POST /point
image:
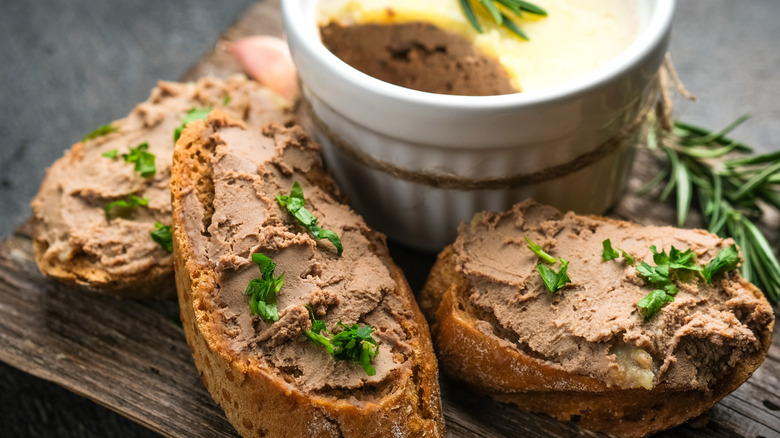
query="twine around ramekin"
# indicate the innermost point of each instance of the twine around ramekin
(454, 182)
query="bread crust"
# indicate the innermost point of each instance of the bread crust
(257, 402)
(494, 367)
(156, 283)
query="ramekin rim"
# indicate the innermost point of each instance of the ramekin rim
(653, 34)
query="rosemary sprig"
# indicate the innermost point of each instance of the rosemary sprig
(498, 10)
(730, 191)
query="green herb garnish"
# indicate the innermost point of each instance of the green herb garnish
(731, 193)
(123, 207)
(110, 154)
(652, 303)
(726, 260)
(191, 116)
(262, 291)
(554, 281)
(660, 278)
(143, 159)
(353, 343)
(609, 253)
(676, 260)
(295, 205)
(539, 251)
(677, 265)
(101, 131)
(498, 10)
(315, 335)
(225, 99)
(162, 235)
(356, 344)
(657, 276)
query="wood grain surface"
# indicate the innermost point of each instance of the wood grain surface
(131, 356)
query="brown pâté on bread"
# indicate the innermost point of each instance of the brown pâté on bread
(74, 239)
(586, 351)
(268, 376)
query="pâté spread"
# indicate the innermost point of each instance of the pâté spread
(592, 326)
(249, 168)
(72, 207)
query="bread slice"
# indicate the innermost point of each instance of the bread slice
(586, 352)
(268, 376)
(74, 240)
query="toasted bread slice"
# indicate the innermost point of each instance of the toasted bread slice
(586, 351)
(268, 376)
(76, 242)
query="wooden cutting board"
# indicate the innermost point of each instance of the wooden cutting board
(131, 356)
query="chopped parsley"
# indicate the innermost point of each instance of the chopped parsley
(295, 205)
(110, 154)
(538, 251)
(610, 254)
(726, 260)
(315, 335)
(554, 281)
(676, 260)
(678, 265)
(123, 207)
(652, 303)
(191, 116)
(262, 291)
(660, 277)
(657, 276)
(353, 343)
(226, 99)
(143, 159)
(162, 235)
(101, 131)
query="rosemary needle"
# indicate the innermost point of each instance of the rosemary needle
(730, 192)
(498, 10)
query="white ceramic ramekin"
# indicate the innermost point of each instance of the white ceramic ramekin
(416, 164)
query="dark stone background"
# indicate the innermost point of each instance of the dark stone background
(68, 66)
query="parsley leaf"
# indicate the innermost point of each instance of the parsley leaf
(143, 159)
(315, 334)
(123, 207)
(162, 235)
(652, 303)
(110, 154)
(192, 115)
(674, 264)
(353, 343)
(554, 280)
(101, 131)
(538, 251)
(294, 204)
(356, 344)
(726, 260)
(226, 99)
(262, 291)
(609, 253)
(676, 259)
(661, 276)
(657, 276)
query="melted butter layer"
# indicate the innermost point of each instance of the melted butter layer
(577, 37)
